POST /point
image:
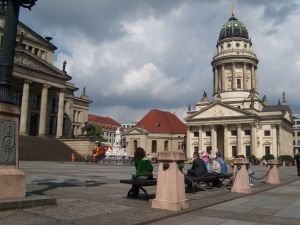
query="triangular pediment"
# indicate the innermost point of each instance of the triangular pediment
(26, 59)
(136, 131)
(31, 35)
(219, 110)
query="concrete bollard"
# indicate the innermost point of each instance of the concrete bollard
(273, 176)
(170, 191)
(241, 176)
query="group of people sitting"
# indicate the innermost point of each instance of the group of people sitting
(202, 166)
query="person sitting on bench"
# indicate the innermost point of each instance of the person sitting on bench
(143, 168)
(198, 168)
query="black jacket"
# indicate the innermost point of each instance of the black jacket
(199, 168)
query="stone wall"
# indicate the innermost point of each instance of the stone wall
(83, 147)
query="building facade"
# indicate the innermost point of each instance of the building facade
(109, 127)
(43, 92)
(296, 134)
(157, 131)
(237, 121)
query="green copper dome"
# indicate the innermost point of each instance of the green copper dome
(233, 28)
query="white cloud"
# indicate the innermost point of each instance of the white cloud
(134, 55)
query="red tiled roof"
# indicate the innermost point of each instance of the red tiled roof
(104, 122)
(157, 121)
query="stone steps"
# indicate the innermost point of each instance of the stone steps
(32, 148)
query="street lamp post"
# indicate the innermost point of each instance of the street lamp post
(12, 180)
(8, 45)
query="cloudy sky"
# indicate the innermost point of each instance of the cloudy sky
(134, 55)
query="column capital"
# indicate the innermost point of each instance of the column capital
(225, 125)
(27, 81)
(46, 86)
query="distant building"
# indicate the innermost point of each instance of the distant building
(237, 121)
(157, 131)
(45, 93)
(126, 126)
(108, 125)
(296, 134)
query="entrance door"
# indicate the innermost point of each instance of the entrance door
(34, 124)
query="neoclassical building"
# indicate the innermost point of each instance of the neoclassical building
(237, 121)
(157, 131)
(44, 92)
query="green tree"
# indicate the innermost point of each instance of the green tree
(94, 131)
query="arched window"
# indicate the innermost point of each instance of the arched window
(166, 146)
(135, 145)
(154, 146)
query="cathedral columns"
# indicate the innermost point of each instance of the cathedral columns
(233, 77)
(252, 77)
(226, 141)
(244, 77)
(200, 139)
(60, 114)
(239, 140)
(24, 108)
(274, 141)
(253, 140)
(43, 111)
(223, 78)
(216, 80)
(213, 140)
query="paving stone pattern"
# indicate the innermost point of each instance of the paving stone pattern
(92, 194)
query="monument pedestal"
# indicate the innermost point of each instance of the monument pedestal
(12, 180)
(170, 192)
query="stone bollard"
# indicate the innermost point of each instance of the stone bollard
(170, 191)
(273, 176)
(241, 176)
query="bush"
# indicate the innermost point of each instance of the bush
(289, 160)
(268, 157)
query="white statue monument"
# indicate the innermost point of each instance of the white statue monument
(117, 150)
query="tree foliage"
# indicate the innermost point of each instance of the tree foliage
(93, 131)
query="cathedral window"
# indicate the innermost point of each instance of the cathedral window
(228, 45)
(238, 83)
(17, 98)
(267, 150)
(196, 134)
(267, 133)
(233, 132)
(233, 150)
(35, 101)
(208, 133)
(247, 132)
(248, 150)
(196, 149)
(298, 134)
(245, 45)
(237, 45)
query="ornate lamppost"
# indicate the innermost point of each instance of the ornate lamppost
(12, 9)
(12, 180)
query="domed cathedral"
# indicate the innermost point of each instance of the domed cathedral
(237, 121)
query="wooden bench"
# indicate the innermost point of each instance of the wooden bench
(140, 184)
(195, 181)
(198, 181)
